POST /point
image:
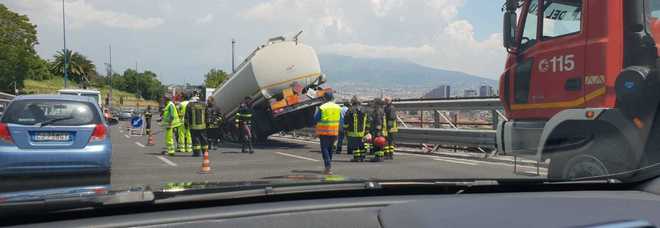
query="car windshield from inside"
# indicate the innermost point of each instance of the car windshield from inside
(31, 112)
(239, 95)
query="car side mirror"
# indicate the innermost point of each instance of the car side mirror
(509, 30)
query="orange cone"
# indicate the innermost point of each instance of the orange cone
(151, 140)
(206, 164)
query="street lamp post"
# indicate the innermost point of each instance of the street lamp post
(233, 43)
(66, 67)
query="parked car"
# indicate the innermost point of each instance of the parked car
(109, 116)
(54, 135)
(125, 115)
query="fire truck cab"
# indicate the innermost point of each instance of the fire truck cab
(580, 86)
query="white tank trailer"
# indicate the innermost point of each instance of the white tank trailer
(283, 78)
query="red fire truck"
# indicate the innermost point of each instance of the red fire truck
(581, 85)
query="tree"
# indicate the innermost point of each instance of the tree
(17, 55)
(144, 85)
(80, 68)
(39, 70)
(214, 78)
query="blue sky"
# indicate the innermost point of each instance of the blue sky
(182, 40)
(485, 15)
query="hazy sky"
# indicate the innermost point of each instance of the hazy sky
(181, 40)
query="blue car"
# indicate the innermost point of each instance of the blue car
(45, 135)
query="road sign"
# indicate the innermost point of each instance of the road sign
(136, 122)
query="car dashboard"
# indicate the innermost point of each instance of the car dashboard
(533, 209)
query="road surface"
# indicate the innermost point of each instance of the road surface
(136, 164)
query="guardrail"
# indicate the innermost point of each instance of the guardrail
(5, 98)
(467, 104)
(453, 136)
(443, 136)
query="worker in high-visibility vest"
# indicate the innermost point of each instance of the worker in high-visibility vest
(185, 141)
(170, 120)
(328, 117)
(378, 128)
(355, 127)
(391, 126)
(196, 123)
(243, 122)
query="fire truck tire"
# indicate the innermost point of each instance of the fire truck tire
(584, 165)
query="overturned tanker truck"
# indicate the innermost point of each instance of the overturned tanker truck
(283, 77)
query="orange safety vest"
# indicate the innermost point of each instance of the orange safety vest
(328, 125)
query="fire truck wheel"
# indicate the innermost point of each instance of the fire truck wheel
(582, 166)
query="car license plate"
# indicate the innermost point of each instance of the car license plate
(52, 136)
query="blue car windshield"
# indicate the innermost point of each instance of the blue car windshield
(29, 112)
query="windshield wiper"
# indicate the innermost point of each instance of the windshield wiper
(54, 120)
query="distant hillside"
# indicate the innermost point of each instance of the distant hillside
(393, 72)
(53, 85)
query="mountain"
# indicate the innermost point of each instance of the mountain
(394, 73)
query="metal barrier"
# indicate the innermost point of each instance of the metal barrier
(441, 136)
(5, 98)
(454, 136)
(449, 104)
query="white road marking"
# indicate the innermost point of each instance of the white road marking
(534, 173)
(455, 161)
(128, 137)
(298, 157)
(166, 161)
(511, 165)
(297, 140)
(139, 144)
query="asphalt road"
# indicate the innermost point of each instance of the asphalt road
(135, 164)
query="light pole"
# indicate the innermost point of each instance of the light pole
(109, 68)
(66, 68)
(233, 43)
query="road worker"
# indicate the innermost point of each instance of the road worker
(170, 120)
(185, 141)
(355, 127)
(328, 117)
(378, 128)
(391, 128)
(196, 123)
(243, 122)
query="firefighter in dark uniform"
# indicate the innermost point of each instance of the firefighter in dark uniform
(378, 128)
(196, 123)
(243, 122)
(355, 128)
(213, 123)
(147, 119)
(392, 129)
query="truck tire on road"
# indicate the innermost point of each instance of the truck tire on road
(606, 153)
(584, 165)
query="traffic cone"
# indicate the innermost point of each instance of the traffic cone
(150, 142)
(206, 164)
